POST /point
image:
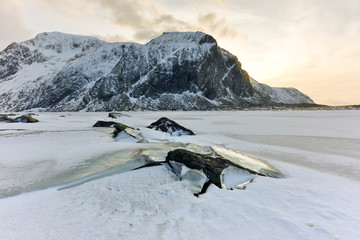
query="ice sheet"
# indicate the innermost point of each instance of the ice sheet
(318, 151)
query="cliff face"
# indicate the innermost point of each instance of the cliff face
(176, 71)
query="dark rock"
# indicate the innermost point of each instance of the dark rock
(22, 119)
(104, 124)
(5, 118)
(169, 126)
(212, 166)
(119, 127)
(25, 119)
(116, 115)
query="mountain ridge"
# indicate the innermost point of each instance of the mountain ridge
(175, 71)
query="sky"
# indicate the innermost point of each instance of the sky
(310, 45)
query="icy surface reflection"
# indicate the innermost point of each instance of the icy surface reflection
(71, 153)
(128, 159)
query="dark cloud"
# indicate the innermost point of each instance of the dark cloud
(148, 22)
(127, 12)
(217, 25)
(169, 21)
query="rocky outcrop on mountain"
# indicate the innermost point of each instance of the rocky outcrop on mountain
(280, 95)
(175, 71)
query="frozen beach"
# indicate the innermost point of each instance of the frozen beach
(317, 150)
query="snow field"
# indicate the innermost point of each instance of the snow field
(312, 202)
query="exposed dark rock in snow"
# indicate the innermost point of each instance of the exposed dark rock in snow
(211, 166)
(175, 71)
(169, 126)
(119, 127)
(22, 119)
(26, 119)
(117, 115)
(5, 118)
(225, 168)
(104, 124)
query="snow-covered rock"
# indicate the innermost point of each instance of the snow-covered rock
(187, 70)
(19, 119)
(169, 126)
(280, 95)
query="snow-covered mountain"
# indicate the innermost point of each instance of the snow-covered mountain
(175, 71)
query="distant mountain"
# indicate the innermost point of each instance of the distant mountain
(175, 71)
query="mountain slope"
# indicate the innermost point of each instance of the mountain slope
(176, 71)
(280, 95)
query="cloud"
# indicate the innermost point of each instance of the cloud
(138, 20)
(144, 35)
(111, 37)
(127, 12)
(208, 2)
(219, 26)
(147, 21)
(209, 23)
(13, 27)
(169, 21)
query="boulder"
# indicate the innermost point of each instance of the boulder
(169, 126)
(25, 119)
(211, 165)
(22, 119)
(5, 118)
(116, 115)
(119, 127)
(104, 124)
